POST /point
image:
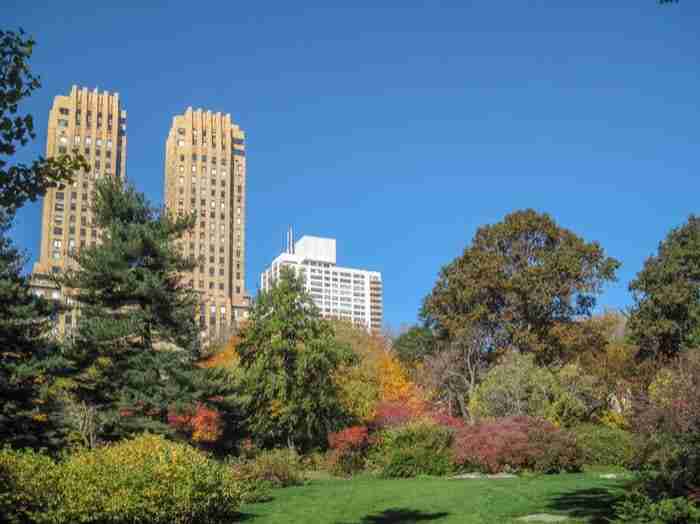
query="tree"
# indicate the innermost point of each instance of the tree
(453, 372)
(26, 356)
(288, 356)
(19, 182)
(136, 341)
(414, 345)
(665, 318)
(518, 281)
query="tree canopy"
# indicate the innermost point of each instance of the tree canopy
(288, 356)
(517, 281)
(136, 338)
(20, 182)
(665, 318)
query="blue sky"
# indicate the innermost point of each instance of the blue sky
(400, 130)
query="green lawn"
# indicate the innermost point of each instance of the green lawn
(582, 497)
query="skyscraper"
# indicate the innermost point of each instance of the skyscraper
(354, 295)
(93, 124)
(205, 173)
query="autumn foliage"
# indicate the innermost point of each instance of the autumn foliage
(227, 356)
(515, 444)
(203, 424)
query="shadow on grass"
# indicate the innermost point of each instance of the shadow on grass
(245, 517)
(594, 504)
(400, 516)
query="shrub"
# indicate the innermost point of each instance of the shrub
(638, 508)
(605, 446)
(515, 444)
(393, 414)
(348, 450)
(275, 468)
(26, 484)
(418, 448)
(145, 479)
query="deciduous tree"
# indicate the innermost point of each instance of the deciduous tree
(517, 281)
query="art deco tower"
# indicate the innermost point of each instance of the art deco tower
(205, 174)
(93, 124)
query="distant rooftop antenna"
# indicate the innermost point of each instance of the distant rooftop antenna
(290, 240)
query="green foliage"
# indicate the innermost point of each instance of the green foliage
(26, 481)
(605, 446)
(418, 448)
(136, 342)
(288, 359)
(147, 479)
(665, 319)
(517, 386)
(27, 357)
(519, 280)
(20, 182)
(276, 468)
(414, 345)
(637, 508)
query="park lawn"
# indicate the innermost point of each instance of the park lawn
(583, 497)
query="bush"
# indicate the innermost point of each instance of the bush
(26, 484)
(348, 450)
(273, 468)
(637, 508)
(605, 446)
(516, 444)
(145, 479)
(418, 448)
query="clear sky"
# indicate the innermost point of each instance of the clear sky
(400, 130)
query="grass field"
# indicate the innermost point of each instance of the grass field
(583, 497)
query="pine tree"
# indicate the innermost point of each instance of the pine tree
(27, 356)
(136, 341)
(288, 358)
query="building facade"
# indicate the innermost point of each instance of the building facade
(348, 294)
(205, 174)
(92, 123)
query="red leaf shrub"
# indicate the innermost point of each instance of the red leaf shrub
(354, 437)
(391, 414)
(202, 423)
(515, 444)
(348, 450)
(445, 420)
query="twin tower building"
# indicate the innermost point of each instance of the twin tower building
(205, 173)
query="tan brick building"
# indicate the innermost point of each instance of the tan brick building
(205, 173)
(94, 124)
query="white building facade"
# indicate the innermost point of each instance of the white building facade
(348, 294)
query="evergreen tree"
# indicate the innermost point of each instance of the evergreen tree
(136, 341)
(288, 358)
(665, 318)
(27, 357)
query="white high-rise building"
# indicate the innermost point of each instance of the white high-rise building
(339, 292)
